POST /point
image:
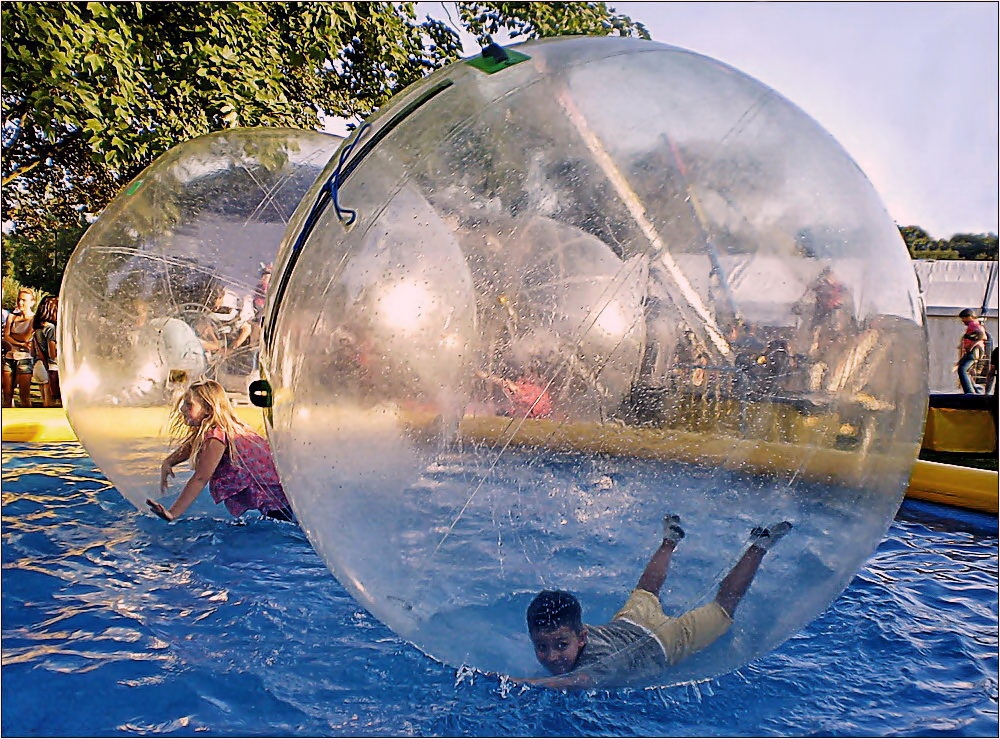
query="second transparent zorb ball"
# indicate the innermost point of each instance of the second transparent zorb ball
(168, 287)
(542, 301)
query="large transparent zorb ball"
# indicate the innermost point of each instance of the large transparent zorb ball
(545, 301)
(168, 287)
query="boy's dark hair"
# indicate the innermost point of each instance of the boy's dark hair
(967, 313)
(552, 609)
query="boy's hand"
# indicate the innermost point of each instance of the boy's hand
(159, 510)
(570, 681)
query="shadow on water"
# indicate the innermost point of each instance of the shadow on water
(116, 624)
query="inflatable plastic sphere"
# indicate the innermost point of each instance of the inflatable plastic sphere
(550, 299)
(168, 287)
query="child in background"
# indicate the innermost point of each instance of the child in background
(527, 396)
(230, 457)
(971, 347)
(45, 347)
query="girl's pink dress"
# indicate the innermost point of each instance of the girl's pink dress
(254, 484)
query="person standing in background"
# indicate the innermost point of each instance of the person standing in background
(971, 347)
(45, 349)
(17, 361)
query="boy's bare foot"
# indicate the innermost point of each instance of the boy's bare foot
(767, 538)
(672, 530)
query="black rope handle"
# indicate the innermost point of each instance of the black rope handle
(337, 178)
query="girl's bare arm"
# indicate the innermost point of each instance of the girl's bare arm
(178, 455)
(208, 459)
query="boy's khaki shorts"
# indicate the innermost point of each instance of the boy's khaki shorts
(682, 636)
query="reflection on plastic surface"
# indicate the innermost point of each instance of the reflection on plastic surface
(168, 286)
(620, 279)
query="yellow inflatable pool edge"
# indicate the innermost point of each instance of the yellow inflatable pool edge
(39, 425)
(51, 425)
(964, 487)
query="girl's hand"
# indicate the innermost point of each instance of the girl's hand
(159, 510)
(166, 470)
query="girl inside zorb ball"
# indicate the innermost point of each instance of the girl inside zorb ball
(565, 308)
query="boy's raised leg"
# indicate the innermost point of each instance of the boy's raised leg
(735, 585)
(653, 576)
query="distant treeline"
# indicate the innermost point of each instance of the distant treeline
(960, 246)
(41, 265)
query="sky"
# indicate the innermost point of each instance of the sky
(909, 89)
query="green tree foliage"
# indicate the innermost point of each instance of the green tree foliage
(974, 246)
(40, 262)
(542, 19)
(93, 92)
(960, 246)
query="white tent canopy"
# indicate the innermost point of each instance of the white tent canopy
(947, 287)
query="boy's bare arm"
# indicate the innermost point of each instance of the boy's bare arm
(569, 681)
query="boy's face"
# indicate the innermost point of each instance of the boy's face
(557, 650)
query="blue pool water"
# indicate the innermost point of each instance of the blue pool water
(114, 624)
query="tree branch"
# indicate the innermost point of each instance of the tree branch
(22, 170)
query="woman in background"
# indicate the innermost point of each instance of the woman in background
(17, 361)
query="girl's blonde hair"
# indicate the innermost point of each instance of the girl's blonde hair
(219, 412)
